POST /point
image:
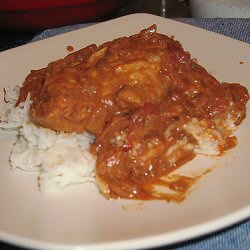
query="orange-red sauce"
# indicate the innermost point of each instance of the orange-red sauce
(70, 48)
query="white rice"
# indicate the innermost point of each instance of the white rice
(60, 159)
(210, 139)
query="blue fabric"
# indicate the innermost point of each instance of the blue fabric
(57, 31)
(236, 237)
(237, 28)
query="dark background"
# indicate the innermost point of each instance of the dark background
(166, 8)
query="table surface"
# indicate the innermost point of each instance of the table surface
(237, 236)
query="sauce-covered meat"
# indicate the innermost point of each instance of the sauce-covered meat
(151, 107)
(137, 151)
(87, 88)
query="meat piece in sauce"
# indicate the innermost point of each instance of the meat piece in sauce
(135, 150)
(87, 88)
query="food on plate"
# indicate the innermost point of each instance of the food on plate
(145, 106)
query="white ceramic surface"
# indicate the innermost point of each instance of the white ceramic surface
(220, 8)
(79, 217)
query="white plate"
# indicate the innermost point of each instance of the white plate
(79, 217)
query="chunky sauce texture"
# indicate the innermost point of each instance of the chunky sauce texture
(140, 97)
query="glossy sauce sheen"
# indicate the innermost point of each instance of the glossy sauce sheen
(136, 95)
